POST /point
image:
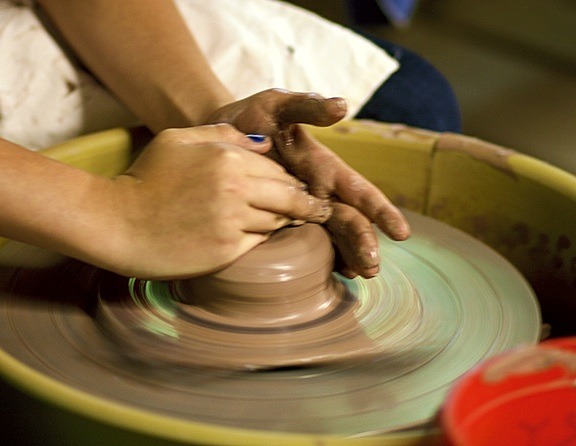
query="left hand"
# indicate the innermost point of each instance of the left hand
(357, 202)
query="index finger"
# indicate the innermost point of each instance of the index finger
(355, 190)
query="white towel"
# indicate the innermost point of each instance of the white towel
(252, 45)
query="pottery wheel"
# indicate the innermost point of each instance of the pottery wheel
(277, 306)
(442, 303)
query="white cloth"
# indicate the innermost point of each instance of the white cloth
(252, 45)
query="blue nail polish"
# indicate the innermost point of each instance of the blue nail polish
(257, 138)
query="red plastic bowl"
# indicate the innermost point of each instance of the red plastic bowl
(524, 397)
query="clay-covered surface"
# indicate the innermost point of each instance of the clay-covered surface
(442, 303)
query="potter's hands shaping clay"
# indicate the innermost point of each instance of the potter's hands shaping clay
(357, 203)
(193, 201)
(158, 71)
(198, 198)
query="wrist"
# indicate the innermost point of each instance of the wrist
(195, 109)
(88, 226)
(102, 232)
(184, 104)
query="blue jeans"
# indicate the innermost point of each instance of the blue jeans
(417, 94)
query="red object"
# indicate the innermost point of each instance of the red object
(525, 397)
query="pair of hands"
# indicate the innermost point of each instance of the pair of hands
(203, 196)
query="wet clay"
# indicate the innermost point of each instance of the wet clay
(269, 309)
(285, 282)
(441, 303)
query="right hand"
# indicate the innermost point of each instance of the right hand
(195, 200)
(357, 203)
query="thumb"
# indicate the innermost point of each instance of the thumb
(313, 109)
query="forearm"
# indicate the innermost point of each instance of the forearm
(51, 205)
(144, 53)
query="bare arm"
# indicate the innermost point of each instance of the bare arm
(143, 52)
(49, 204)
(194, 201)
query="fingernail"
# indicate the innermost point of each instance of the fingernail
(301, 186)
(322, 214)
(327, 210)
(401, 232)
(340, 103)
(256, 138)
(369, 257)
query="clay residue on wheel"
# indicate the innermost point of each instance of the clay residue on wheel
(280, 305)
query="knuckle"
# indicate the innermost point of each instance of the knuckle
(312, 97)
(225, 158)
(171, 136)
(275, 91)
(214, 133)
(228, 189)
(225, 129)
